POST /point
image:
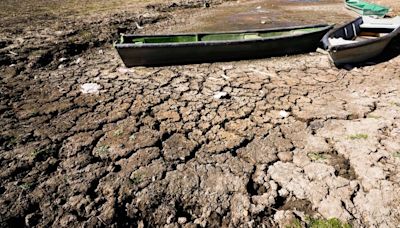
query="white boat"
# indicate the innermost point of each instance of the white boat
(383, 23)
(357, 41)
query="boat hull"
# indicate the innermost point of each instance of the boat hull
(368, 9)
(206, 52)
(358, 54)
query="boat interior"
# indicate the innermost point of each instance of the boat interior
(216, 36)
(354, 32)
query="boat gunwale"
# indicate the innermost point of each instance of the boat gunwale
(329, 47)
(349, 6)
(324, 28)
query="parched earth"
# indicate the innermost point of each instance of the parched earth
(87, 142)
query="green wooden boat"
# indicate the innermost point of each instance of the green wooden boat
(156, 50)
(366, 9)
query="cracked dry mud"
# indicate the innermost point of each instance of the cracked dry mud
(155, 146)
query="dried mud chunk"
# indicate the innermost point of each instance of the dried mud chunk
(285, 156)
(54, 107)
(222, 141)
(168, 115)
(145, 138)
(240, 205)
(78, 142)
(178, 147)
(141, 158)
(145, 175)
(332, 207)
(259, 151)
(116, 143)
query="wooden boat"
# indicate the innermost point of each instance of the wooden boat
(365, 8)
(156, 50)
(355, 43)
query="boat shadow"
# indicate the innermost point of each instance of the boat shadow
(391, 51)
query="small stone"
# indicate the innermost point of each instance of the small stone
(182, 220)
(123, 70)
(220, 95)
(285, 156)
(62, 60)
(90, 88)
(169, 219)
(263, 22)
(283, 114)
(283, 192)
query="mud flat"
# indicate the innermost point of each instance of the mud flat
(87, 142)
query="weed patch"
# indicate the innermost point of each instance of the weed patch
(316, 156)
(104, 149)
(358, 136)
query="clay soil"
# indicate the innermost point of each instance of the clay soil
(291, 137)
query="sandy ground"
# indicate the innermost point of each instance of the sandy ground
(263, 143)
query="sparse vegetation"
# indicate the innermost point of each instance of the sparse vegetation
(395, 103)
(34, 113)
(104, 149)
(358, 136)
(316, 156)
(25, 186)
(327, 223)
(11, 142)
(42, 152)
(396, 154)
(319, 223)
(136, 179)
(132, 137)
(371, 116)
(294, 224)
(118, 133)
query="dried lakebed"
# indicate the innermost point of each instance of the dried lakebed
(87, 142)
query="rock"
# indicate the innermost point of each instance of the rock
(285, 156)
(283, 192)
(123, 70)
(332, 208)
(220, 95)
(182, 220)
(284, 114)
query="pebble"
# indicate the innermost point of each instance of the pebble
(285, 156)
(219, 95)
(182, 220)
(284, 114)
(283, 192)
